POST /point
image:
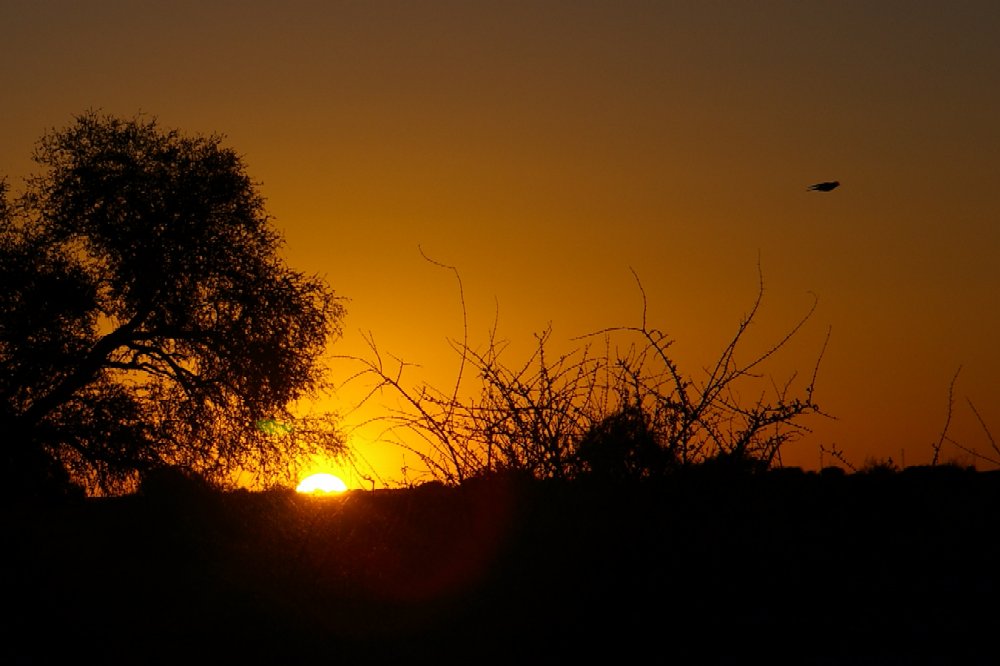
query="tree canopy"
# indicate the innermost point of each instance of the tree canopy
(148, 319)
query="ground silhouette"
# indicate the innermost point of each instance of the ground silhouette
(822, 567)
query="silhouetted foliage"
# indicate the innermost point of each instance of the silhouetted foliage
(174, 482)
(147, 318)
(627, 414)
(624, 446)
(883, 466)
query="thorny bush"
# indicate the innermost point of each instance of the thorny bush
(617, 407)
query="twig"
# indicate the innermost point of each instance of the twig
(982, 423)
(947, 421)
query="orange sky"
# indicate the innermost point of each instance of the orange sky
(544, 148)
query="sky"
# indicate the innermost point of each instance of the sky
(548, 150)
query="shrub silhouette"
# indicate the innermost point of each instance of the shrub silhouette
(170, 482)
(630, 414)
(624, 446)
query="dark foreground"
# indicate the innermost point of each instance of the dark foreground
(891, 568)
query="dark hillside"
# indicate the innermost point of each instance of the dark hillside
(818, 566)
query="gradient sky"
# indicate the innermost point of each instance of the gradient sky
(545, 148)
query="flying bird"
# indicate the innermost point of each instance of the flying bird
(824, 187)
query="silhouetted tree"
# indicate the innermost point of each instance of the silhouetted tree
(147, 318)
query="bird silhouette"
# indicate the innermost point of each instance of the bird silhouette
(824, 187)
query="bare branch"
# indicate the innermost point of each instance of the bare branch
(947, 421)
(989, 435)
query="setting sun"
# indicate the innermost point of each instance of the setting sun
(321, 484)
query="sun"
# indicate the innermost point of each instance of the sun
(321, 484)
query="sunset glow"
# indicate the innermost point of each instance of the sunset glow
(548, 150)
